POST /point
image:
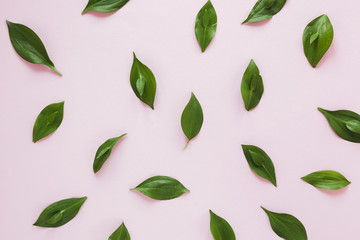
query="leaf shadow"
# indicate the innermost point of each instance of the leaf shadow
(99, 14)
(258, 24)
(40, 68)
(334, 192)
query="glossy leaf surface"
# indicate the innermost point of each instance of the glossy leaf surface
(264, 9)
(220, 228)
(104, 6)
(121, 233)
(329, 180)
(205, 25)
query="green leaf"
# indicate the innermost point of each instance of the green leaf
(330, 180)
(345, 123)
(143, 82)
(48, 121)
(252, 86)
(205, 25)
(286, 226)
(192, 118)
(317, 38)
(60, 213)
(104, 151)
(120, 234)
(264, 9)
(28, 45)
(161, 188)
(104, 6)
(220, 228)
(260, 162)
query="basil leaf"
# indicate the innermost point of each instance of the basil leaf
(104, 151)
(161, 188)
(286, 226)
(260, 162)
(264, 9)
(104, 6)
(345, 123)
(220, 228)
(48, 121)
(120, 234)
(192, 118)
(143, 82)
(317, 38)
(60, 213)
(330, 180)
(28, 45)
(205, 25)
(252, 86)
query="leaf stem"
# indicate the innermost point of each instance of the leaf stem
(55, 70)
(186, 144)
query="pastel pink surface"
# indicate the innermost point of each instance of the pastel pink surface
(94, 53)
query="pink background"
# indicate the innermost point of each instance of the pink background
(94, 52)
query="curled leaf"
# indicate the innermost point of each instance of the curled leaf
(286, 226)
(48, 121)
(220, 228)
(104, 6)
(329, 180)
(60, 213)
(264, 9)
(161, 188)
(205, 25)
(104, 151)
(28, 45)
(120, 234)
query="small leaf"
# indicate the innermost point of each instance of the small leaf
(286, 226)
(161, 188)
(28, 45)
(120, 234)
(143, 82)
(345, 123)
(220, 228)
(205, 25)
(260, 162)
(104, 6)
(329, 180)
(321, 30)
(252, 86)
(264, 9)
(192, 118)
(48, 121)
(60, 213)
(104, 152)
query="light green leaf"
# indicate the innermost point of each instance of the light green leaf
(104, 6)
(205, 25)
(329, 180)
(264, 9)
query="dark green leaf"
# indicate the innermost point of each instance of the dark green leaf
(103, 152)
(286, 226)
(220, 228)
(330, 180)
(345, 124)
(260, 162)
(28, 45)
(192, 118)
(48, 121)
(264, 9)
(120, 234)
(161, 188)
(104, 6)
(60, 213)
(317, 38)
(252, 86)
(143, 82)
(205, 25)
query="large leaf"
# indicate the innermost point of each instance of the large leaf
(104, 151)
(205, 25)
(120, 234)
(60, 213)
(330, 180)
(345, 123)
(286, 226)
(161, 188)
(252, 86)
(48, 121)
(317, 38)
(220, 228)
(104, 6)
(260, 162)
(264, 9)
(192, 118)
(143, 82)
(28, 45)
